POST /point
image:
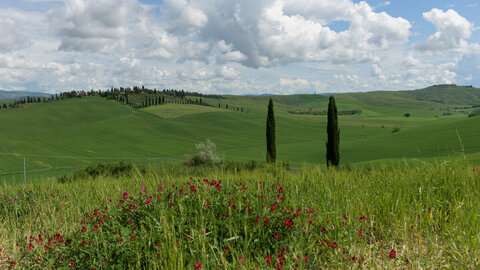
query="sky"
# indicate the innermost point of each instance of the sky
(238, 47)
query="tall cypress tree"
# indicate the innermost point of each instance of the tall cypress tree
(271, 148)
(333, 142)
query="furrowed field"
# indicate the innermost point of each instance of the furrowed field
(409, 218)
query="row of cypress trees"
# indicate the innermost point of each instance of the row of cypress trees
(333, 134)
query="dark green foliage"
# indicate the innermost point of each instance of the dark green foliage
(116, 170)
(271, 147)
(333, 142)
(474, 113)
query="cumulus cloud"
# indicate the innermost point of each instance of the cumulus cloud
(10, 39)
(95, 26)
(215, 46)
(451, 35)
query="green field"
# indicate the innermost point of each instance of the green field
(59, 137)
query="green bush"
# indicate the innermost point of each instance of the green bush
(121, 169)
(205, 154)
(474, 113)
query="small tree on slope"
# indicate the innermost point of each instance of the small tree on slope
(333, 142)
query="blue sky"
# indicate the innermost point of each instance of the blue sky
(238, 47)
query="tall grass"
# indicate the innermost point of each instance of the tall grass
(427, 215)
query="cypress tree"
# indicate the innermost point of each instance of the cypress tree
(333, 142)
(271, 148)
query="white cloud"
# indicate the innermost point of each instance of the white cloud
(451, 35)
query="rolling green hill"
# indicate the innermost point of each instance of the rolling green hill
(62, 136)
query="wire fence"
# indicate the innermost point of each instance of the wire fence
(59, 159)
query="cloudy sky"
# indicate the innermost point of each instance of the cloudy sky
(238, 47)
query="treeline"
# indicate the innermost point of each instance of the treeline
(325, 112)
(474, 113)
(137, 97)
(141, 97)
(19, 103)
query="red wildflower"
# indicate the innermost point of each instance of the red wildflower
(12, 263)
(198, 265)
(393, 254)
(273, 207)
(276, 235)
(71, 264)
(267, 220)
(334, 245)
(360, 233)
(345, 215)
(258, 219)
(84, 243)
(406, 261)
(362, 219)
(226, 250)
(207, 203)
(84, 229)
(268, 259)
(305, 258)
(133, 238)
(288, 223)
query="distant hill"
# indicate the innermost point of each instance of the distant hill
(449, 94)
(6, 95)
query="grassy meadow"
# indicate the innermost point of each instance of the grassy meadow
(423, 217)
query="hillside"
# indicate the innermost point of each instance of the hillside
(62, 136)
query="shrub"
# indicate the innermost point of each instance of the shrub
(407, 114)
(474, 113)
(121, 169)
(205, 154)
(395, 130)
